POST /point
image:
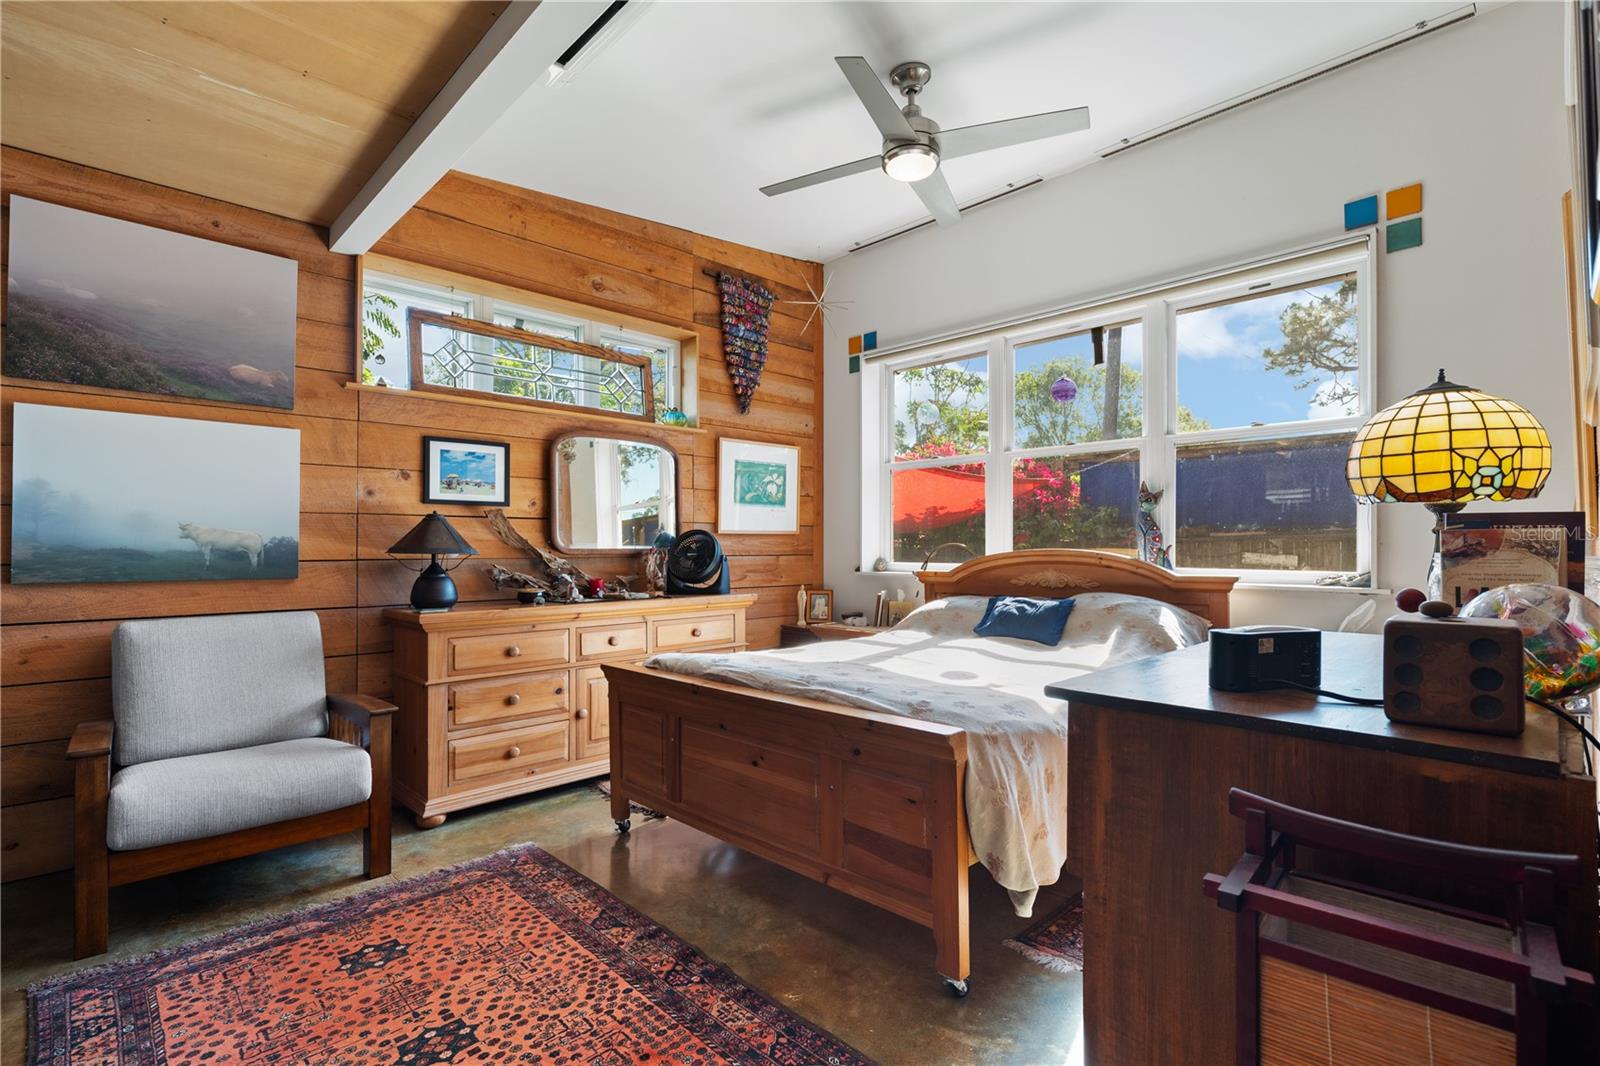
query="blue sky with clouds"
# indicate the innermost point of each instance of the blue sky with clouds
(467, 463)
(1221, 375)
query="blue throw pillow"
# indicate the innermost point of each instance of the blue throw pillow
(1041, 621)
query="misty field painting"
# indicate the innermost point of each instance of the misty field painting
(98, 301)
(105, 496)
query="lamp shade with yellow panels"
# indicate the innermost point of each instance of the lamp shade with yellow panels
(1446, 446)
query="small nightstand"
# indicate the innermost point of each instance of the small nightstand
(794, 635)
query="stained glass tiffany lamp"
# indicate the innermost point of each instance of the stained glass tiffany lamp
(1446, 446)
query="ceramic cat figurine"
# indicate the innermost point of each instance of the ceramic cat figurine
(1151, 549)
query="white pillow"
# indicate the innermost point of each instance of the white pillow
(1127, 623)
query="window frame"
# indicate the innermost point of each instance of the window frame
(1156, 309)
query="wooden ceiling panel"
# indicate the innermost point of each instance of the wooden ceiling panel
(284, 107)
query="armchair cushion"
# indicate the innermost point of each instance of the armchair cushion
(193, 796)
(185, 686)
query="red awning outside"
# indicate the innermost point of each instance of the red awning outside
(935, 497)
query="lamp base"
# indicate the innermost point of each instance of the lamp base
(434, 589)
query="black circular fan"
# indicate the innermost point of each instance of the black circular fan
(695, 564)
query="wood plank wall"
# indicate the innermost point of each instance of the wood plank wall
(361, 448)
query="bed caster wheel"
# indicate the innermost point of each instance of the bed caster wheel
(624, 824)
(959, 989)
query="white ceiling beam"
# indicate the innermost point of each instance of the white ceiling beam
(514, 55)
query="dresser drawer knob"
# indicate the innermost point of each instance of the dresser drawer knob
(612, 640)
(560, 689)
(695, 632)
(513, 651)
(583, 712)
(513, 751)
(513, 699)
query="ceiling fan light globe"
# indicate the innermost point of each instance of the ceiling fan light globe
(910, 162)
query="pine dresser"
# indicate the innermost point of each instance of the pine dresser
(496, 701)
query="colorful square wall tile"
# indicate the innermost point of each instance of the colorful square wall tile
(869, 340)
(1407, 234)
(855, 345)
(1362, 212)
(1403, 201)
(855, 364)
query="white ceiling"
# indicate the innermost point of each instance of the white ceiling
(699, 104)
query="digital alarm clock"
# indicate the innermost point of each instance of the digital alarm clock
(1257, 658)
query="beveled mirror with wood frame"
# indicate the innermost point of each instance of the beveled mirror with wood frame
(610, 494)
(450, 353)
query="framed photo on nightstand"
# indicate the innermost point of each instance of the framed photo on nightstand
(819, 605)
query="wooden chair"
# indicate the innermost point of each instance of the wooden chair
(224, 743)
(1332, 970)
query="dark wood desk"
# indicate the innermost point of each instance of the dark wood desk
(1152, 753)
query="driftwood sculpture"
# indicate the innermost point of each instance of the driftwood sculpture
(551, 573)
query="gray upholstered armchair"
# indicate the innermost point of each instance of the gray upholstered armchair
(225, 743)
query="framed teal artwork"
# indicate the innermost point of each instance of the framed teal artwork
(758, 486)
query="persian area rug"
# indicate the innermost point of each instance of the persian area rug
(512, 958)
(1056, 940)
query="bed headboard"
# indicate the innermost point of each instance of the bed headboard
(1060, 572)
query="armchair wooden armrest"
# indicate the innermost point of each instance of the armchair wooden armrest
(91, 739)
(357, 709)
(89, 752)
(368, 718)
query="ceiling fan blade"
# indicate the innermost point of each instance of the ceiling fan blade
(876, 99)
(843, 170)
(937, 198)
(967, 140)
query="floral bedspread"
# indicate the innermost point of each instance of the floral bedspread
(933, 667)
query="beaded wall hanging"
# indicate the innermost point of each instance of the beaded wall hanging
(745, 307)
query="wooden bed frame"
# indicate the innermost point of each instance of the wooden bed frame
(869, 803)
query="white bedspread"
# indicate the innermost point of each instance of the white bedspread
(931, 666)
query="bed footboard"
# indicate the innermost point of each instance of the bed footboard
(868, 803)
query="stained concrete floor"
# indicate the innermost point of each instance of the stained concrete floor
(863, 974)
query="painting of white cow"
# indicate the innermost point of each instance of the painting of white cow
(106, 496)
(207, 540)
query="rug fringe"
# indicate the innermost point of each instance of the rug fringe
(1049, 960)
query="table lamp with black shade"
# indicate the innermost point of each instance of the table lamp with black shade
(1446, 446)
(434, 589)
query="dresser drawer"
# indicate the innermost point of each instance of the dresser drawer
(508, 752)
(694, 632)
(476, 703)
(604, 642)
(509, 652)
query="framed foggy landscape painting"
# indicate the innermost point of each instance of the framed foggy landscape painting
(98, 301)
(104, 496)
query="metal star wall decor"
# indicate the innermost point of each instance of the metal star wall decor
(819, 302)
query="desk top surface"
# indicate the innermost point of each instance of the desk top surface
(1178, 685)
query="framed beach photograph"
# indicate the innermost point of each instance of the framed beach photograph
(466, 471)
(105, 496)
(99, 301)
(758, 487)
(819, 605)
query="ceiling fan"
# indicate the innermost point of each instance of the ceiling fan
(914, 145)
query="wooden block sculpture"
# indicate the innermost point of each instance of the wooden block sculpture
(746, 305)
(1453, 672)
(1332, 970)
